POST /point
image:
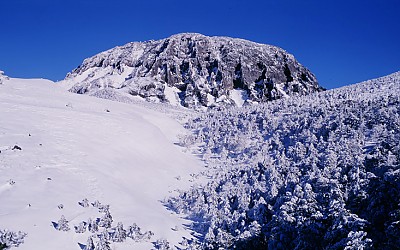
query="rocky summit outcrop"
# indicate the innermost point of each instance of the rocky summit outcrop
(195, 70)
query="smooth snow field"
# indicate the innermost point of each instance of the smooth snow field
(74, 147)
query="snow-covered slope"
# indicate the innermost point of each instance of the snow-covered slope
(314, 172)
(194, 70)
(58, 148)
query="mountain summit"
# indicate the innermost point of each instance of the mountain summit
(194, 70)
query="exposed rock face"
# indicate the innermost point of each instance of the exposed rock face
(195, 70)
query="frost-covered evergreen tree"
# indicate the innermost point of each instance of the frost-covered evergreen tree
(84, 203)
(62, 224)
(146, 235)
(96, 204)
(92, 225)
(119, 234)
(134, 232)
(11, 239)
(89, 244)
(81, 228)
(106, 220)
(162, 244)
(103, 243)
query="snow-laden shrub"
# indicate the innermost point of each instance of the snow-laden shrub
(62, 224)
(11, 239)
(162, 244)
(108, 233)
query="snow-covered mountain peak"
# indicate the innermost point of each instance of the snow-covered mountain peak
(192, 70)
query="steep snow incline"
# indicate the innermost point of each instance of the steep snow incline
(75, 147)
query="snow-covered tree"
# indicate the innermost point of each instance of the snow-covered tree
(96, 204)
(162, 244)
(106, 220)
(92, 225)
(89, 244)
(119, 234)
(84, 203)
(62, 224)
(81, 228)
(11, 239)
(134, 232)
(104, 241)
(102, 244)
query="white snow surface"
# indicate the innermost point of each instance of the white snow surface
(73, 148)
(238, 96)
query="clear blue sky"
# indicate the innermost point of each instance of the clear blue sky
(341, 41)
